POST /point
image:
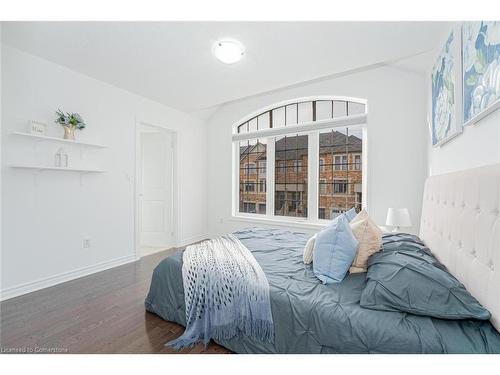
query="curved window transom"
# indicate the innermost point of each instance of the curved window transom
(307, 111)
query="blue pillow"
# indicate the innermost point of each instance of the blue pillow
(334, 251)
(351, 214)
(405, 276)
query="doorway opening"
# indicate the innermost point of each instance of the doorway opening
(155, 189)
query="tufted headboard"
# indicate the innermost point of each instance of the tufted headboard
(461, 225)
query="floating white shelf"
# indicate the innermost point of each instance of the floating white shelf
(61, 140)
(49, 168)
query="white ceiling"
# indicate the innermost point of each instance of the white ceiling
(172, 62)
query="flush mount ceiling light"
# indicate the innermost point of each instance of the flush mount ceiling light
(228, 51)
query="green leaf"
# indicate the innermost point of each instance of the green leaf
(480, 62)
(472, 80)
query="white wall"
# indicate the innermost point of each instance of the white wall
(45, 220)
(478, 145)
(397, 141)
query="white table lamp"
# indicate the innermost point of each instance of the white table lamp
(398, 217)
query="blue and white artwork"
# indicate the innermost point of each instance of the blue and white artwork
(481, 68)
(443, 95)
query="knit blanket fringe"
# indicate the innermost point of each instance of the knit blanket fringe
(226, 294)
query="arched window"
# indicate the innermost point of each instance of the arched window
(302, 158)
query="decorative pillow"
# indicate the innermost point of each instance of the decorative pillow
(334, 250)
(350, 215)
(405, 276)
(360, 216)
(370, 240)
(308, 249)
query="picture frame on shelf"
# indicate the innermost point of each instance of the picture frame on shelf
(37, 128)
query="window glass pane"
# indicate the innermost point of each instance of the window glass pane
(291, 114)
(301, 113)
(356, 108)
(339, 108)
(340, 161)
(340, 172)
(323, 110)
(291, 175)
(252, 125)
(264, 121)
(253, 167)
(357, 162)
(305, 112)
(278, 117)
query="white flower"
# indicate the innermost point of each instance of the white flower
(492, 33)
(488, 88)
(442, 113)
(470, 33)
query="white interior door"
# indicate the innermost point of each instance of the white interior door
(156, 193)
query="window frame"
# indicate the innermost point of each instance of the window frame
(322, 165)
(355, 165)
(262, 166)
(323, 182)
(337, 182)
(282, 167)
(247, 184)
(262, 186)
(343, 165)
(247, 167)
(312, 129)
(297, 165)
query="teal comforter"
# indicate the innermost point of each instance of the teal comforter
(310, 317)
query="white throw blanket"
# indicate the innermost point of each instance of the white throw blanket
(226, 293)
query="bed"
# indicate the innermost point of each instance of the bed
(310, 317)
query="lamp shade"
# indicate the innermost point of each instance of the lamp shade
(398, 217)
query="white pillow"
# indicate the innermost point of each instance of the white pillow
(308, 250)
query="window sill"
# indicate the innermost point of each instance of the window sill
(280, 222)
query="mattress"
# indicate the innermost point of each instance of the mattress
(310, 317)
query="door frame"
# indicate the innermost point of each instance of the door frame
(138, 183)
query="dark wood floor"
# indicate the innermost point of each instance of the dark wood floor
(100, 313)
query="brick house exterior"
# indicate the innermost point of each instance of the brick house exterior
(340, 175)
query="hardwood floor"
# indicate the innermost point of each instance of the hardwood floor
(100, 313)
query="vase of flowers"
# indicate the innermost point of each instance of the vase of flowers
(70, 122)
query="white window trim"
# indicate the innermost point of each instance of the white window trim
(262, 167)
(246, 184)
(342, 181)
(322, 166)
(341, 165)
(297, 165)
(354, 162)
(313, 130)
(282, 165)
(323, 181)
(262, 183)
(304, 127)
(299, 100)
(247, 167)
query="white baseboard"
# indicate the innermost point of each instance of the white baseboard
(33, 286)
(190, 240)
